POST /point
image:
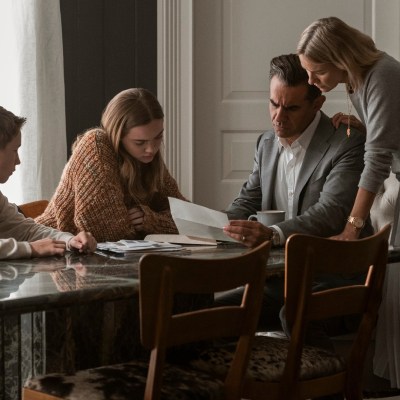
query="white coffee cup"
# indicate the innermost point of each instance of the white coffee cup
(268, 217)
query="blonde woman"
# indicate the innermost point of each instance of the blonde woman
(333, 52)
(116, 184)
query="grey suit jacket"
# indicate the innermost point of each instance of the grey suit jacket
(326, 186)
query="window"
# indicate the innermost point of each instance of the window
(32, 85)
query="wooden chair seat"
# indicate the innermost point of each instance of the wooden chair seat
(127, 381)
(287, 369)
(33, 209)
(164, 278)
(267, 361)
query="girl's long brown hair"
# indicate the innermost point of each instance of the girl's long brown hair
(128, 109)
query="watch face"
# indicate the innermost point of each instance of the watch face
(357, 222)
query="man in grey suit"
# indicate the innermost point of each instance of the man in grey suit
(304, 166)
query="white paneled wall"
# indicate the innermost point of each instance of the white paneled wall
(214, 62)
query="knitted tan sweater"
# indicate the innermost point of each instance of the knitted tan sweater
(90, 196)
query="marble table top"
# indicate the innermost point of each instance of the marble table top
(45, 283)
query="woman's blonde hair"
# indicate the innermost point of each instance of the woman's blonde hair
(330, 40)
(128, 109)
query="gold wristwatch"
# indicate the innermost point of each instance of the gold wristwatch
(357, 222)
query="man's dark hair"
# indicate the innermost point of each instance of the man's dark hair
(10, 126)
(289, 70)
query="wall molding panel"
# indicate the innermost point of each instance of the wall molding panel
(175, 87)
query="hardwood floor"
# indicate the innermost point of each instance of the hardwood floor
(374, 385)
(390, 398)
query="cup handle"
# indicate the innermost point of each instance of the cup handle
(252, 217)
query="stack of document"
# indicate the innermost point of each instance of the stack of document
(181, 239)
(136, 246)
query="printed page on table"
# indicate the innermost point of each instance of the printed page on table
(130, 246)
(199, 221)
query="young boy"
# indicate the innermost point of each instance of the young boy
(22, 237)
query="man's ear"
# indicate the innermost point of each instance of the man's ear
(318, 102)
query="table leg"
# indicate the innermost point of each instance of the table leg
(21, 351)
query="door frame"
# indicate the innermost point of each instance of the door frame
(175, 87)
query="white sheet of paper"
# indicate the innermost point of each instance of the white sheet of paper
(195, 220)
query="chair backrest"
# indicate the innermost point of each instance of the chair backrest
(306, 257)
(34, 208)
(163, 277)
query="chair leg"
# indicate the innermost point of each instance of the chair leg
(354, 393)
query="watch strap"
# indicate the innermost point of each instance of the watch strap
(276, 237)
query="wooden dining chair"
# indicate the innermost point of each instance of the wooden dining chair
(287, 369)
(34, 208)
(162, 278)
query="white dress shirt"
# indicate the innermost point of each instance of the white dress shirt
(289, 165)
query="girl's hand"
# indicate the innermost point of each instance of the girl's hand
(136, 217)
